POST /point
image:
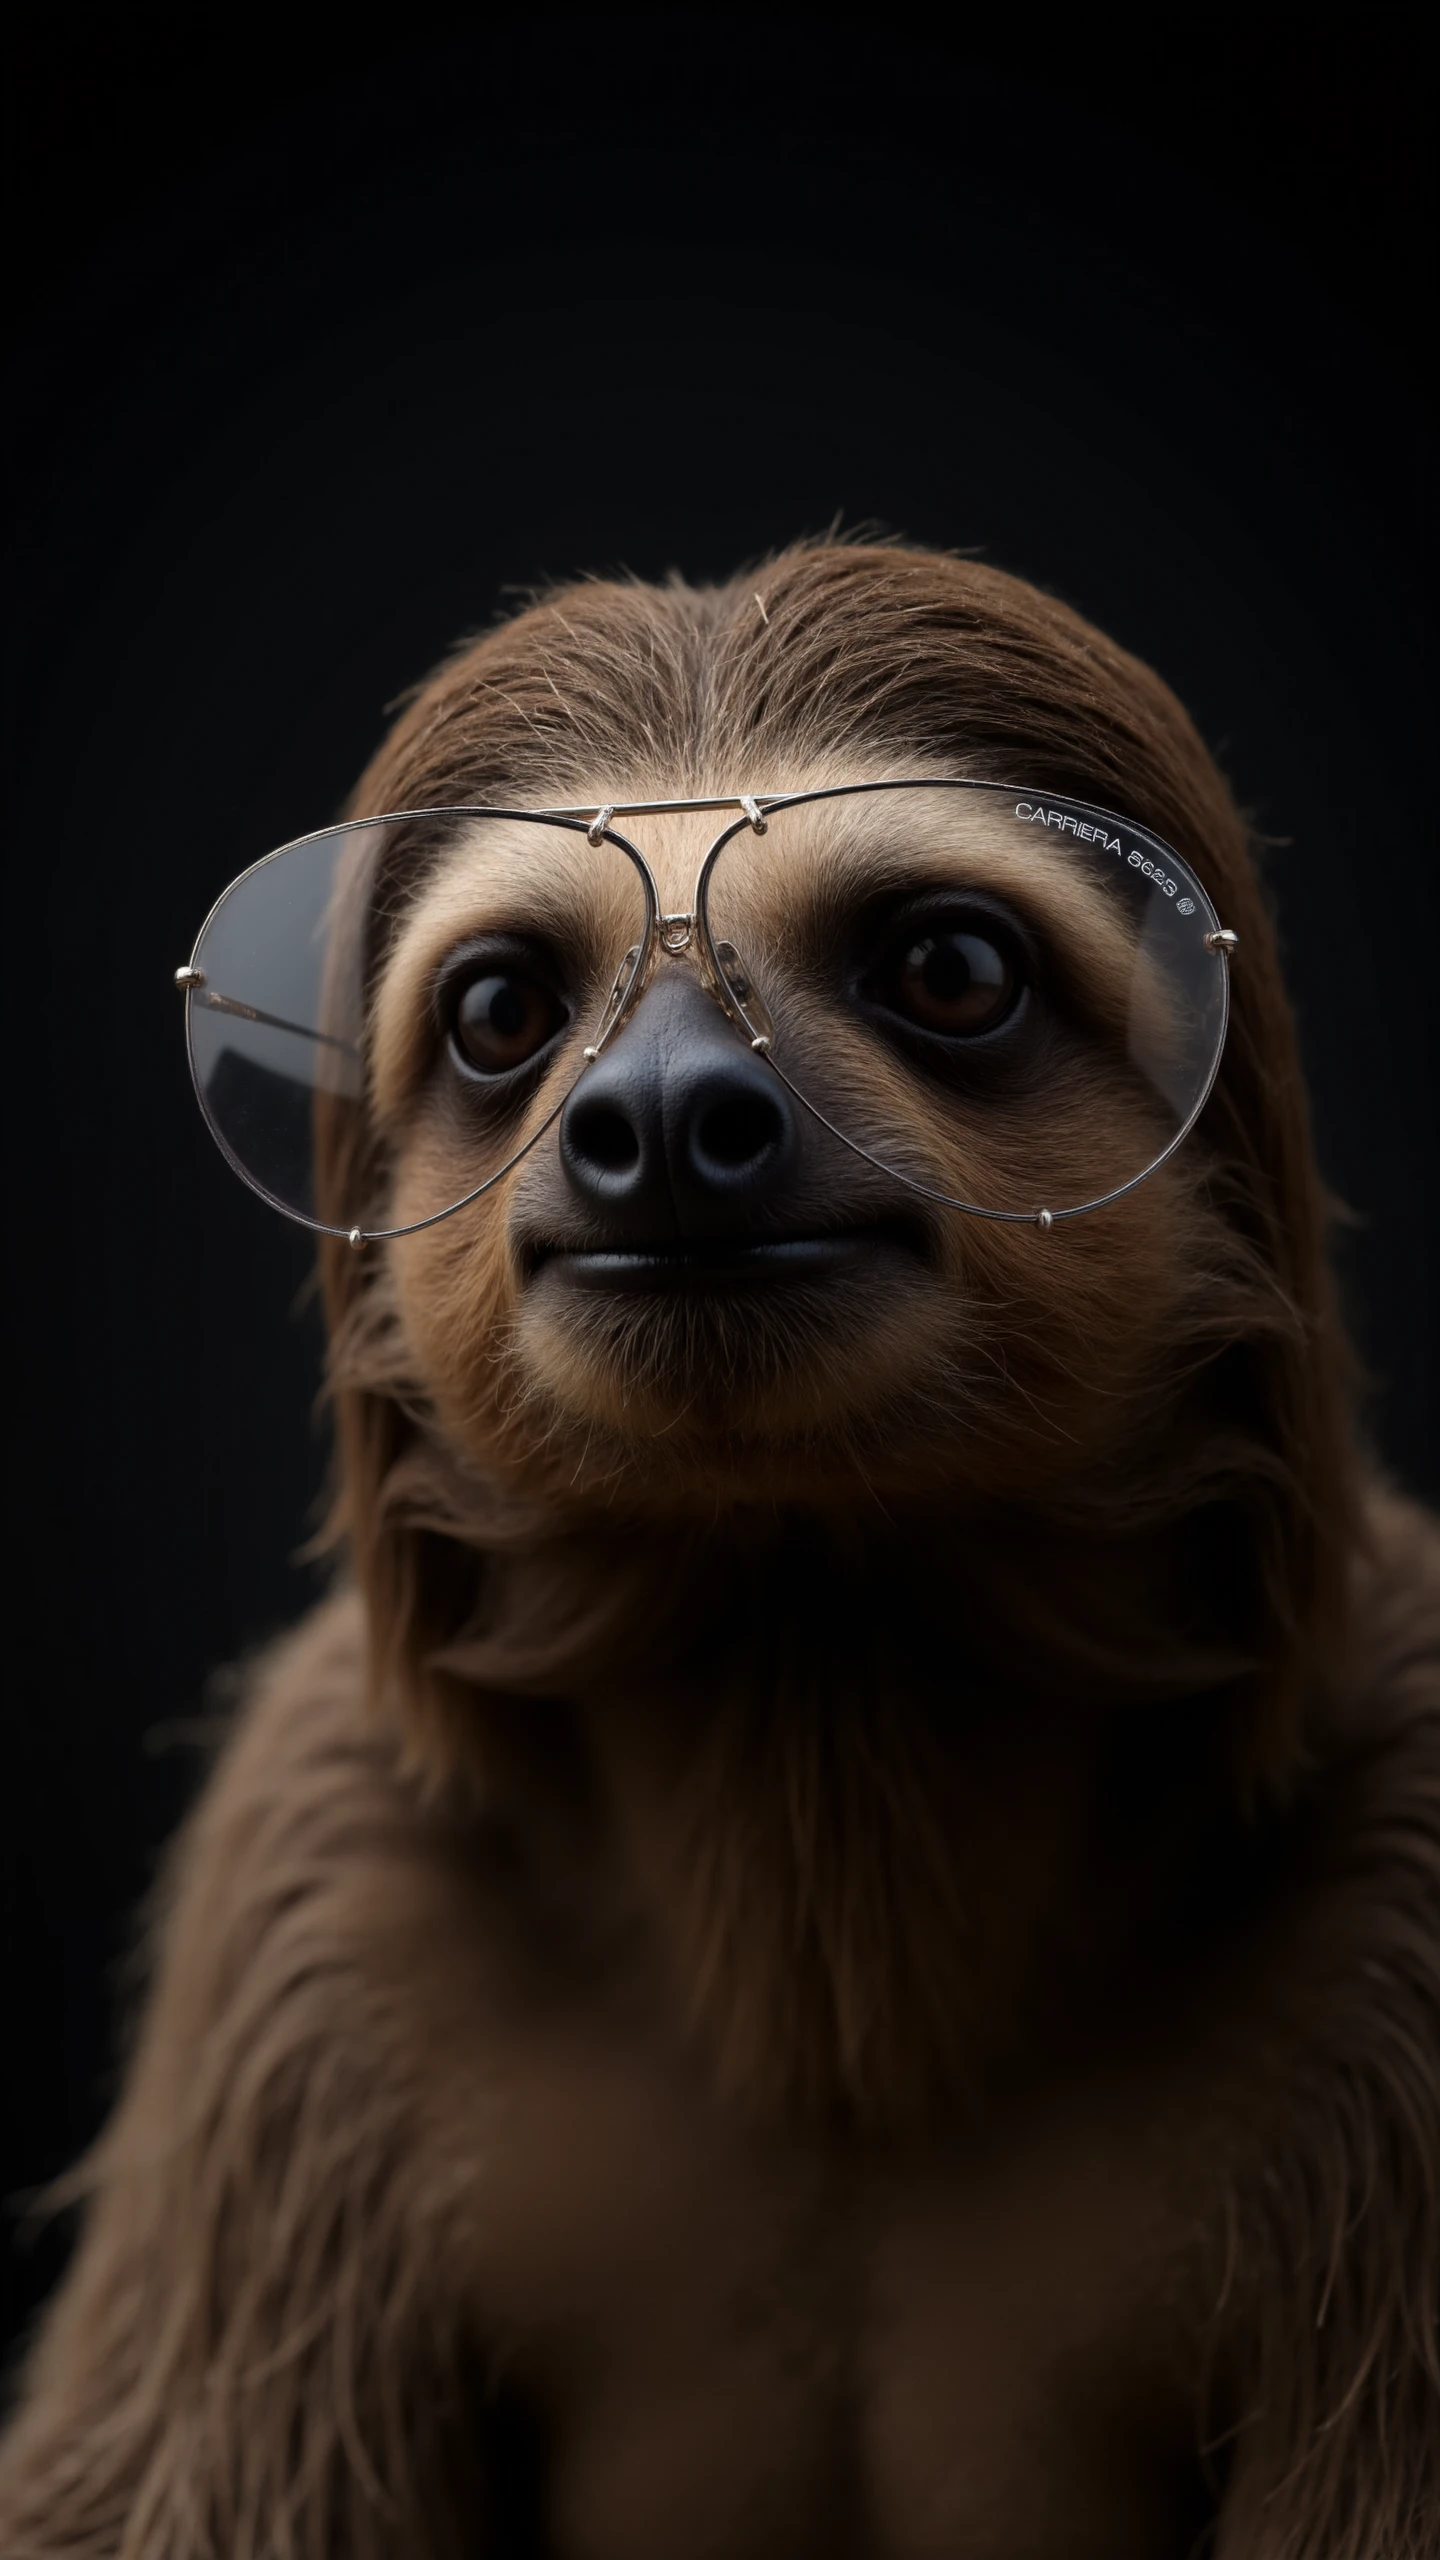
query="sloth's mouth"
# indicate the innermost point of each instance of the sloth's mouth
(725, 1263)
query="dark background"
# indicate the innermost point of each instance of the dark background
(324, 342)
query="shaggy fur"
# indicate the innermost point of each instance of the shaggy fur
(835, 1946)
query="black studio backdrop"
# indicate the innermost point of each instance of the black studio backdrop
(325, 348)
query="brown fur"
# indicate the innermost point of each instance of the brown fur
(952, 1809)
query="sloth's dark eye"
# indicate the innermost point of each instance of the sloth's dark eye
(954, 982)
(503, 1017)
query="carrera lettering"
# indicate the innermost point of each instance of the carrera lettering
(1034, 817)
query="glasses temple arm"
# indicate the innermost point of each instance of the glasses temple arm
(273, 1021)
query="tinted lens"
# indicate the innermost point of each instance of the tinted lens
(391, 1012)
(1006, 999)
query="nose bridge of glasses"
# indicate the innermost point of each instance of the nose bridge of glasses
(676, 932)
(689, 932)
(673, 842)
(723, 977)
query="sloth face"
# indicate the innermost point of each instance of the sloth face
(689, 1283)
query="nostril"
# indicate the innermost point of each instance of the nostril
(607, 1140)
(739, 1130)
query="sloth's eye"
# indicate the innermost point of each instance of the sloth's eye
(502, 1018)
(955, 982)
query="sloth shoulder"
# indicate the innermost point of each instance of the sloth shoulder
(1373, 1739)
(1366, 1813)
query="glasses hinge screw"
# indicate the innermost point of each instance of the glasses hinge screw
(187, 977)
(355, 1240)
(1044, 1220)
(600, 822)
(761, 1040)
(592, 1053)
(753, 812)
(1223, 940)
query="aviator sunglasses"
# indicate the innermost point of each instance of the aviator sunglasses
(1053, 976)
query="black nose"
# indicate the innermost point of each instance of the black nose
(678, 1129)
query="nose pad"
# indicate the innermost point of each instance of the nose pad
(678, 1130)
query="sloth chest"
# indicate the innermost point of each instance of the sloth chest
(737, 2348)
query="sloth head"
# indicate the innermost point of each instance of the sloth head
(690, 1301)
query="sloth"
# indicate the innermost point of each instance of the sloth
(830, 1943)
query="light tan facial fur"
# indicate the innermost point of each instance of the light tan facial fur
(949, 1376)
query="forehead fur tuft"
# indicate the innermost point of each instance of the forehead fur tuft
(826, 657)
